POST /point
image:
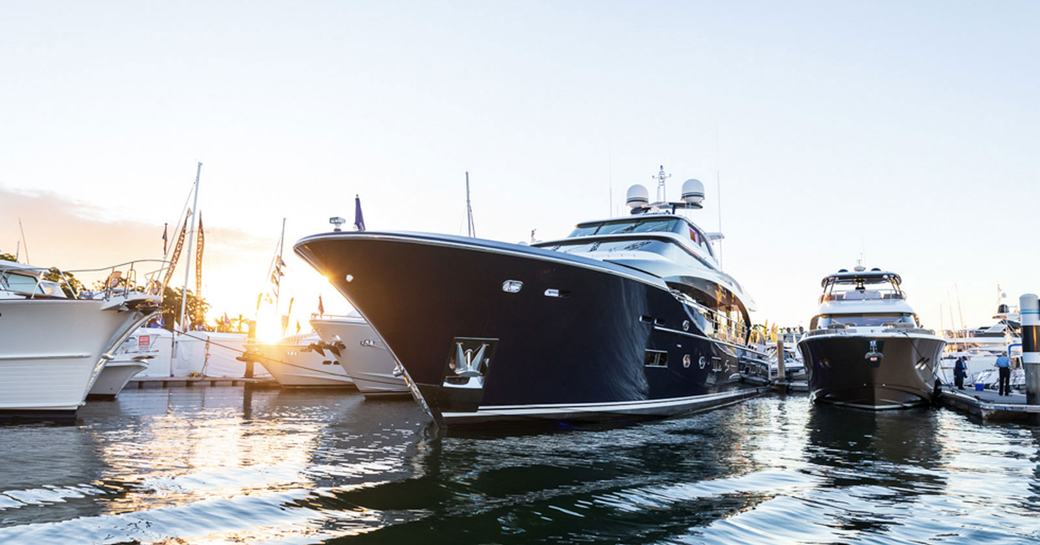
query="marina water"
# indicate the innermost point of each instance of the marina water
(223, 465)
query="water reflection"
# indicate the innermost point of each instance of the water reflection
(872, 466)
(219, 465)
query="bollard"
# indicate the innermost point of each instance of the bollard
(1029, 308)
(250, 341)
(781, 372)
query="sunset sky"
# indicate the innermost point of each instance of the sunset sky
(902, 132)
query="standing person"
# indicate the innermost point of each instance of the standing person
(960, 370)
(1004, 366)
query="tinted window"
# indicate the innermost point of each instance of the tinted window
(637, 225)
(20, 283)
(866, 320)
(581, 231)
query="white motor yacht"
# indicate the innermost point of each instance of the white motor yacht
(980, 347)
(54, 341)
(363, 355)
(297, 361)
(866, 347)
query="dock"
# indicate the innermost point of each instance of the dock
(791, 386)
(165, 382)
(988, 405)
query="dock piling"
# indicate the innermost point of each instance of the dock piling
(250, 342)
(781, 372)
(1029, 308)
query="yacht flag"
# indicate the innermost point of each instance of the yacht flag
(277, 272)
(321, 307)
(176, 253)
(359, 218)
(198, 262)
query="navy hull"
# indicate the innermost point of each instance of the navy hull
(579, 339)
(893, 372)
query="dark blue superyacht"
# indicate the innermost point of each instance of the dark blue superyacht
(626, 317)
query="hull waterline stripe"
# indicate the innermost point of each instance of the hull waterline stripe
(43, 356)
(617, 406)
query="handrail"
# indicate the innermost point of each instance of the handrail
(113, 284)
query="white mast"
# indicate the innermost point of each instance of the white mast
(191, 245)
(471, 229)
(661, 179)
(278, 267)
(25, 244)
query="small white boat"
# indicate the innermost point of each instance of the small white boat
(114, 377)
(54, 344)
(140, 352)
(363, 355)
(157, 344)
(794, 366)
(296, 362)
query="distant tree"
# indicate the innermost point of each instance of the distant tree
(71, 285)
(171, 308)
(7, 257)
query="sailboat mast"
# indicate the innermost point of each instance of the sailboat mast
(191, 245)
(471, 229)
(278, 264)
(24, 243)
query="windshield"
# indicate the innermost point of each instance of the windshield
(866, 320)
(860, 289)
(634, 225)
(644, 225)
(20, 283)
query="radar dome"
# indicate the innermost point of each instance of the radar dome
(638, 197)
(693, 193)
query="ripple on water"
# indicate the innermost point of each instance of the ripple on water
(216, 465)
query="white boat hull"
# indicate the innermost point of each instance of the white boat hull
(364, 356)
(292, 365)
(51, 351)
(210, 354)
(114, 377)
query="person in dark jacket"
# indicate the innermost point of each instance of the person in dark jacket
(1003, 365)
(960, 370)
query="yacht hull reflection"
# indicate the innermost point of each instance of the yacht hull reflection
(490, 331)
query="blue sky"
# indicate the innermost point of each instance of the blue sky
(905, 131)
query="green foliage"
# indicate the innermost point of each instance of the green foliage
(171, 308)
(7, 257)
(71, 285)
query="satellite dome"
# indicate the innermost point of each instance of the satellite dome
(693, 193)
(638, 197)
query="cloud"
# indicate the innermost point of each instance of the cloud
(72, 234)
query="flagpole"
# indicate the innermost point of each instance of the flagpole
(471, 230)
(191, 246)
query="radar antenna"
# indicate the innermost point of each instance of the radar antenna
(661, 178)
